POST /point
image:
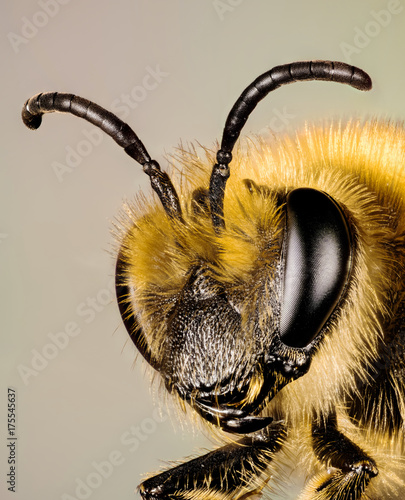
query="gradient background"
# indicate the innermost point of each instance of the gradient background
(55, 237)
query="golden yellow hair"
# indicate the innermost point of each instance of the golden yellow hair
(361, 166)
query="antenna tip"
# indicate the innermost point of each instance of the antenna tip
(30, 120)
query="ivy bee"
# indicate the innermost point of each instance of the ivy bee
(264, 286)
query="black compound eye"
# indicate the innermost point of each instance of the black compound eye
(317, 253)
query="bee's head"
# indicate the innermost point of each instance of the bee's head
(228, 345)
(226, 348)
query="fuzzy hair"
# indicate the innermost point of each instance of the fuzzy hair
(362, 167)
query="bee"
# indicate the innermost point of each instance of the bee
(270, 300)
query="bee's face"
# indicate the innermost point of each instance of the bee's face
(231, 318)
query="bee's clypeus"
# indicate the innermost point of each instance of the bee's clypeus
(267, 291)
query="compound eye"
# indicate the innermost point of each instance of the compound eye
(317, 253)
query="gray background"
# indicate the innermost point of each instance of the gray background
(55, 233)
